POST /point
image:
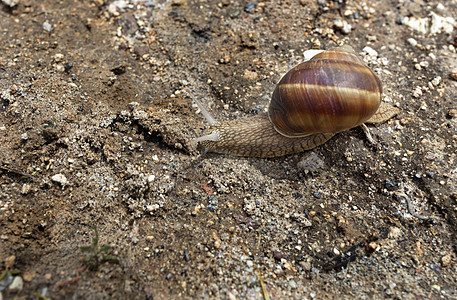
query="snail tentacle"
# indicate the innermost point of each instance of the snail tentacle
(384, 113)
(211, 120)
(367, 132)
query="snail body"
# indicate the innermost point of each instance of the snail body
(332, 92)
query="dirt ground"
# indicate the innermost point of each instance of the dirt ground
(95, 129)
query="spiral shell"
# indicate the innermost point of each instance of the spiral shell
(332, 92)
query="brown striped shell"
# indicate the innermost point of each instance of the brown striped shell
(332, 92)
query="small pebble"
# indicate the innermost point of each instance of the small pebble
(338, 23)
(306, 265)
(217, 243)
(446, 260)
(26, 188)
(235, 14)
(430, 174)
(249, 7)
(225, 59)
(452, 113)
(9, 262)
(308, 54)
(60, 178)
(60, 68)
(435, 268)
(186, 255)
(373, 246)
(370, 51)
(400, 21)
(322, 2)
(317, 195)
(404, 121)
(394, 232)
(151, 208)
(436, 287)
(342, 25)
(311, 163)
(179, 2)
(11, 3)
(212, 204)
(47, 26)
(412, 42)
(453, 74)
(417, 92)
(24, 137)
(418, 24)
(346, 28)
(196, 210)
(29, 275)
(68, 66)
(279, 255)
(371, 38)
(390, 185)
(292, 284)
(440, 6)
(441, 24)
(6, 281)
(17, 284)
(141, 50)
(436, 81)
(58, 57)
(169, 276)
(133, 105)
(424, 64)
(250, 75)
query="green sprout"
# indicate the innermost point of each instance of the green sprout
(97, 254)
(39, 296)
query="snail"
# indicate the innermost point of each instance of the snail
(332, 92)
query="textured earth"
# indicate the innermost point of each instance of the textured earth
(96, 123)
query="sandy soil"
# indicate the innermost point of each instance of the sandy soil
(95, 128)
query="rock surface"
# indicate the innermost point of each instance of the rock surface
(97, 92)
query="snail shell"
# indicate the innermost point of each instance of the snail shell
(332, 92)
